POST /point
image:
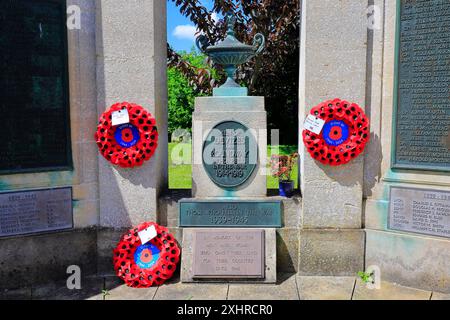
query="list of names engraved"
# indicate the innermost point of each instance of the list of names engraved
(423, 107)
(35, 211)
(420, 211)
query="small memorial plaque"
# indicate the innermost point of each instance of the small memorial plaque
(229, 254)
(230, 213)
(420, 211)
(35, 211)
(230, 154)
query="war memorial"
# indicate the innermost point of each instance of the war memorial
(84, 160)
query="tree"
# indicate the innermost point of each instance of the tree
(182, 92)
(274, 73)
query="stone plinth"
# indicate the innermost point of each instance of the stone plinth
(210, 111)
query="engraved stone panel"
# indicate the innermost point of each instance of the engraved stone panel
(228, 254)
(230, 213)
(420, 211)
(423, 80)
(35, 211)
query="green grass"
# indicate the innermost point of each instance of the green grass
(180, 175)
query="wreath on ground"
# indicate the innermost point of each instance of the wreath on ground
(150, 264)
(129, 144)
(344, 135)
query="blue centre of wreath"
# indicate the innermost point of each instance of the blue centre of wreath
(335, 132)
(146, 256)
(127, 135)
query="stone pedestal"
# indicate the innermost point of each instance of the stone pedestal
(210, 111)
(229, 203)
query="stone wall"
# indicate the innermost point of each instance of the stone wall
(406, 258)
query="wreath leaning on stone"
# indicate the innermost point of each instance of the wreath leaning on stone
(344, 134)
(129, 144)
(145, 265)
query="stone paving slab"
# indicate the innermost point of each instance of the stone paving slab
(389, 291)
(117, 290)
(440, 296)
(325, 288)
(16, 294)
(91, 289)
(285, 289)
(191, 291)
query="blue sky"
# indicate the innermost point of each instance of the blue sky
(180, 30)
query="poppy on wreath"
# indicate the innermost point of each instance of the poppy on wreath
(343, 136)
(143, 265)
(131, 143)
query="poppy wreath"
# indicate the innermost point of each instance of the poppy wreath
(145, 265)
(344, 135)
(131, 144)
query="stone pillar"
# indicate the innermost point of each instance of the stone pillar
(131, 66)
(332, 65)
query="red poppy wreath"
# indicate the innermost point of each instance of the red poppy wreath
(128, 144)
(149, 264)
(344, 135)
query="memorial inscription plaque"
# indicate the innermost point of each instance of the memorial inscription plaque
(229, 254)
(34, 89)
(422, 136)
(420, 211)
(230, 213)
(230, 154)
(35, 211)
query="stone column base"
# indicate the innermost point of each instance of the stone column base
(331, 252)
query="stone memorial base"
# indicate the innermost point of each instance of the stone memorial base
(232, 264)
(210, 111)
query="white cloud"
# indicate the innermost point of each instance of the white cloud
(186, 31)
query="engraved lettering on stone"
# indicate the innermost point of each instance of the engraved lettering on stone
(229, 254)
(420, 211)
(423, 111)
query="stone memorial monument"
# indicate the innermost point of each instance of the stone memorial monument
(229, 184)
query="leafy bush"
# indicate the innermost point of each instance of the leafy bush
(182, 94)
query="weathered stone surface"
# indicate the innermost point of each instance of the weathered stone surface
(128, 197)
(107, 240)
(168, 207)
(16, 294)
(186, 291)
(326, 288)
(291, 208)
(440, 296)
(209, 111)
(332, 67)
(288, 240)
(91, 289)
(117, 290)
(285, 289)
(187, 273)
(388, 291)
(331, 252)
(410, 260)
(42, 258)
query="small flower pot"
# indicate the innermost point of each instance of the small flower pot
(286, 188)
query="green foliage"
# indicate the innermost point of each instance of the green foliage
(365, 276)
(181, 93)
